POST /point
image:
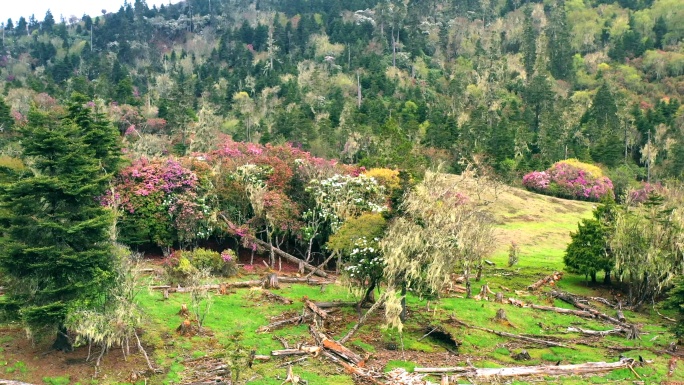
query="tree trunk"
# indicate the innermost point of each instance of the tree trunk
(368, 297)
(593, 277)
(362, 320)
(403, 314)
(62, 342)
(606, 278)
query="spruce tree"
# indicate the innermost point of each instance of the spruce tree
(560, 50)
(55, 248)
(529, 43)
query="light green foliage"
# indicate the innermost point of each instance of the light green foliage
(647, 243)
(368, 225)
(440, 231)
(116, 323)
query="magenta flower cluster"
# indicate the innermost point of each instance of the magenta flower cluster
(569, 181)
(150, 177)
(642, 194)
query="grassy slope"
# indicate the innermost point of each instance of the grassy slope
(540, 225)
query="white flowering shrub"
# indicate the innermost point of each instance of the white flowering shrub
(344, 196)
(365, 265)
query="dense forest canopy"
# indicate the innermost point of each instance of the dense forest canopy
(382, 83)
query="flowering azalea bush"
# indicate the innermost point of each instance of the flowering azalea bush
(162, 202)
(570, 179)
(180, 264)
(647, 190)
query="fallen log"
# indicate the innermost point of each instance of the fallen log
(550, 279)
(315, 309)
(579, 313)
(304, 350)
(275, 297)
(278, 324)
(400, 376)
(516, 302)
(565, 297)
(603, 301)
(335, 347)
(243, 284)
(510, 335)
(353, 369)
(281, 253)
(601, 333)
(541, 370)
(328, 305)
(309, 281)
(10, 382)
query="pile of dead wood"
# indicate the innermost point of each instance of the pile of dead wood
(270, 281)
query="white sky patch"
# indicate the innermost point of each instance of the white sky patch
(66, 8)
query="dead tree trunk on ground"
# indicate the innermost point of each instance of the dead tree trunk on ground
(510, 335)
(550, 279)
(542, 370)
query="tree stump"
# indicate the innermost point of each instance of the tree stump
(484, 293)
(499, 297)
(445, 380)
(166, 293)
(522, 356)
(500, 317)
(633, 333)
(185, 328)
(184, 312)
(271, 281)
(223, 289)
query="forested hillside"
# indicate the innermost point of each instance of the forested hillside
(517, 85)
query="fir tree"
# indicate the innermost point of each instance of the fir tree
(529, 43)
(560, 50)
(56, 249)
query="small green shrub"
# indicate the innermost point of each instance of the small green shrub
(180, 265)
(206, 259)
(178, 268)
(57, 380)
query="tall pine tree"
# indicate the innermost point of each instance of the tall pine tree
(55, 248)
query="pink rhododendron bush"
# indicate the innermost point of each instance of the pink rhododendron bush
(246, 190)
(570, 179)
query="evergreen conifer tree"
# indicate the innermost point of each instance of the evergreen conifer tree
(560, 50)
(529, 43)
(55, 248)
